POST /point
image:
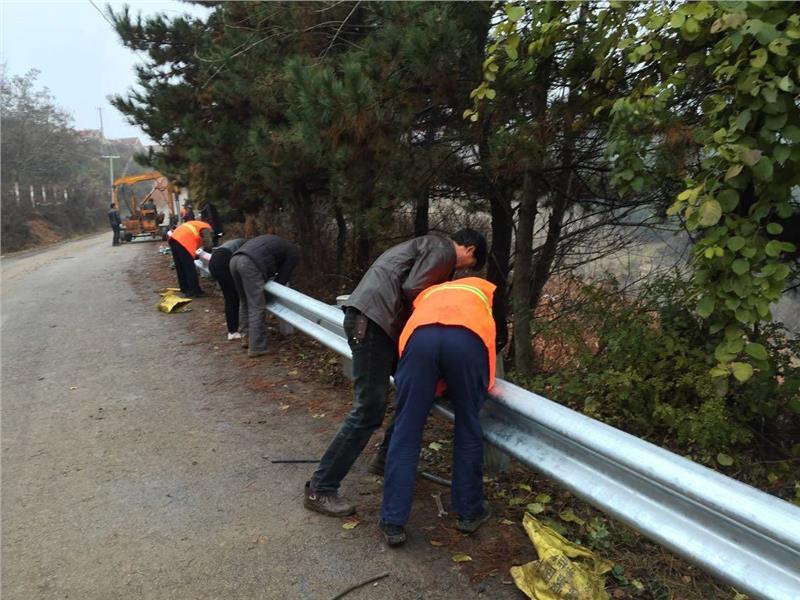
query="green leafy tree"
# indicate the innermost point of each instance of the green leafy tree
(719, 77)
(738, 196)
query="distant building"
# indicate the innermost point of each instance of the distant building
(95, 134)
(133, 142)
(90, 134)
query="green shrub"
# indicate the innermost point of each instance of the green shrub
(642, 364)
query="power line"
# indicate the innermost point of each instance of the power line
(102, 14)
(107, 20)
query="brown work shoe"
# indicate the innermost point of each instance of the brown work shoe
(377, 464)
(471, 524)
(245, 343)
(328, 503)
(256, 353)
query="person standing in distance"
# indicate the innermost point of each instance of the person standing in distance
(374, 316)
(115, 222)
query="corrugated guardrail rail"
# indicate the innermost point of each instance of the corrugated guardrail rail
(744, 536)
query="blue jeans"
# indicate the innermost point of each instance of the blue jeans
(458, 356)
(374, 359)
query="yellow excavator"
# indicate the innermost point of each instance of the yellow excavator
(151, 216)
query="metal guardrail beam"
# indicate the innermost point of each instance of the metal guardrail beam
(740, 534)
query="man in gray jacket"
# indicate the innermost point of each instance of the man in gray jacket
(256, 261)
(374, 317)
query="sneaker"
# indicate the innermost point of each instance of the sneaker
(256, 353)
(377, 463)
(394, 534)
(234, 336)
(328, 503)
(471, 524)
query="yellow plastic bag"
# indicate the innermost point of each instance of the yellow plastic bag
(564, 570)
(170, 301)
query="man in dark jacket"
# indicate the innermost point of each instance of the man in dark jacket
(256, 261)
(115, 222)
(375, 315)
(210, 215)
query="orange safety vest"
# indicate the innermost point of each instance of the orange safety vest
(188, 235)
(465, 303)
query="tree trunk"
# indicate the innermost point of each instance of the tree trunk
(303, 206)
(523, 258)
(341, 236)
(547, 252)
(422, 204)
(421, 212)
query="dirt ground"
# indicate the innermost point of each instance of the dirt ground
(313, 375)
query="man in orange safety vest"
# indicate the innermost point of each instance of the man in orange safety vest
(448, 341)
(184, 242)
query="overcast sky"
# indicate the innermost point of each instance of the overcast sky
(78, 53)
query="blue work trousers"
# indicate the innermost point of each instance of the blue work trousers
(185, 269)
(458, 356)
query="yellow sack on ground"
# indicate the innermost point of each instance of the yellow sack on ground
(564, 570)
(170, 301)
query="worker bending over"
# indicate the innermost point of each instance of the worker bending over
(219, 266)
(449, 341)
(184, 242)
(375, 314)
(256, 261)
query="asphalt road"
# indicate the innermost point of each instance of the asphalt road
(130, 468)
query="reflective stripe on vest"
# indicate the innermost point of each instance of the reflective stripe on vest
(461, 286)
(192, 228)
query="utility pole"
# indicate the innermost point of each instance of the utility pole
(108, 156)
(111, 172)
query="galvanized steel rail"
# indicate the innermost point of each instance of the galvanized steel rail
(744, 536)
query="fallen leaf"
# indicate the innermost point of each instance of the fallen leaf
(461, 557)
(618, 593)
(506, 522)
(73, 387)
(534, 508)
(437, 543)
(525, 486)
(570, 517)
(293, 373)
(317, 415)
(435, 446)
(284, 406)
(350, 525)
(724, 459)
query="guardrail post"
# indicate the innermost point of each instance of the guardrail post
(347, 363)
(284, 328)
(495, 461)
